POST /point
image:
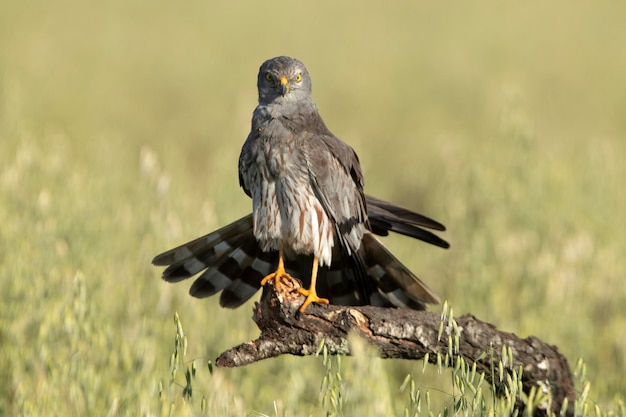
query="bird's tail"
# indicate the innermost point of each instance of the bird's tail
(375, 275)
(394, 282)
(387, 281)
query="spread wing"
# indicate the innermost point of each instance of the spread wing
(230, 260)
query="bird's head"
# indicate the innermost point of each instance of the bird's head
(283, 78)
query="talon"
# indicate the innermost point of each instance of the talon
(311, 297)
(311, 293)
(278, 275)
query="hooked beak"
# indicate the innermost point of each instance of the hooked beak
(284, 85)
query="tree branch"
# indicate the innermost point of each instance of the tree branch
(405, 334)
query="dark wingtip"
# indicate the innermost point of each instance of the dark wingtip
(444, 244)
(162, 259)
(155, 261)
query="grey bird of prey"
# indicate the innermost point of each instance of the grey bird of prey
(310, 217)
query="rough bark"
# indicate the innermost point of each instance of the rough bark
(405, 334)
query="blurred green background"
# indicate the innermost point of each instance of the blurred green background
(120, 127)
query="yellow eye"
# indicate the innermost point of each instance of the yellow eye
(298, 78)
(268, 77)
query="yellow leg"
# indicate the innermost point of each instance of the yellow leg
(311, 293)
(279, 274)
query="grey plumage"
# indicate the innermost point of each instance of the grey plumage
(306, 187)
(292, 166)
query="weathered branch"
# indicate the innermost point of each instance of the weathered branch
(406, 334)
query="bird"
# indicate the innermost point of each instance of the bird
(311, 219)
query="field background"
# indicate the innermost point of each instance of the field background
(120, 127)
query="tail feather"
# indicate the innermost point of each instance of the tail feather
(394, 281)
(342, 283)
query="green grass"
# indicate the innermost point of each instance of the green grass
(120, 128)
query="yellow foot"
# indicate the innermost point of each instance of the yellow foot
(311, 297)
(277, 277)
